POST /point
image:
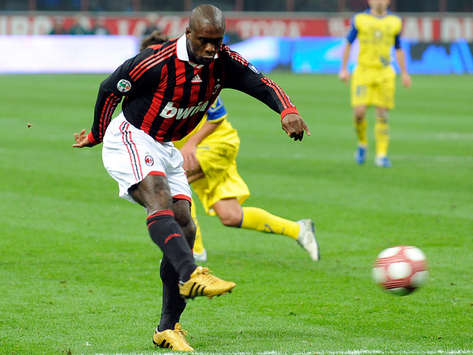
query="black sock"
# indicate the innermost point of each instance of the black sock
(173, 303)
(167, 234)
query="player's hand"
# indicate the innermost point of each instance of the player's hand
(344, 75)
(294, 126)
(406, 80)
(81, 140)
(189, 153)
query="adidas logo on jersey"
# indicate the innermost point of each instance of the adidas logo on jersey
(196, 79)
(169, 111)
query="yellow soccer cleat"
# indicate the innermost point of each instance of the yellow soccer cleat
(174, 339)
(203, 283)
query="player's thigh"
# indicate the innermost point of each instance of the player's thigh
(216, 158)
(360, 88)
(153, 193)
(227, 185)
(129, 155)
(384, 96)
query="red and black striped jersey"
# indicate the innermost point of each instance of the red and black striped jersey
(166, 95)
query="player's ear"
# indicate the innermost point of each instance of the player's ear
(188, 32)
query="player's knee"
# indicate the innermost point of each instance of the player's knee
(359, 119)
(230, 218)
(360, 114)
(382, 114)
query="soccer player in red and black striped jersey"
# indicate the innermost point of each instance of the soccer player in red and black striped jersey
(166, 90)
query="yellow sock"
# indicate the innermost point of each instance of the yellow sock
(381, 132)
(360, 128)
(198, 244)
(263, 221)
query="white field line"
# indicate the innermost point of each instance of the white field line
(315, 352)
(439, 158)
(441, 136)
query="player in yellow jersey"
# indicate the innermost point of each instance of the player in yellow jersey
(210, 153)
(373, 80)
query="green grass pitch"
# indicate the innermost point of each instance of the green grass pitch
(79, 273)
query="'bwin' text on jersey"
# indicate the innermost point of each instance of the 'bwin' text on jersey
(169, 111)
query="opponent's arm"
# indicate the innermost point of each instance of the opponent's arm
(188, 150)
(243, 76)
(344, 75)
(401, 61)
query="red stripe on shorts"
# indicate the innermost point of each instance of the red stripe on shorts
(157, 173)
(128, 149)
(182, 197)
(135, 150)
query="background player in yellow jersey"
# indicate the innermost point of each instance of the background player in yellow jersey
(210, 153)
(373, 80)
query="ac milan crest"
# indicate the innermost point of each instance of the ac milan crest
(149, 160)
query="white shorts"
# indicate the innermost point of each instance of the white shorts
(129, 155)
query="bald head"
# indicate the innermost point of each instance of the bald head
(205, 33)
(206, 14)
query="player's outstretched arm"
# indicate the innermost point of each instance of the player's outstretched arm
(242, 75)
(82, 140)
(294, 126)
(189, 149)
(401, 60)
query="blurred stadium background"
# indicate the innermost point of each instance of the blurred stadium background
(299, 35)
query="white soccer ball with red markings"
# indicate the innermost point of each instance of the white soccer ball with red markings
(400, 270)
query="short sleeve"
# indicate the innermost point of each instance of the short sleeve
(353, 31)
(397, 38)
(217, 111)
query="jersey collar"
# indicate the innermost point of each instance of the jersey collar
(182, 51)
(368, 11)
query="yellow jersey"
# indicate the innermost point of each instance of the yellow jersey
(224, 132)
(377, 36)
